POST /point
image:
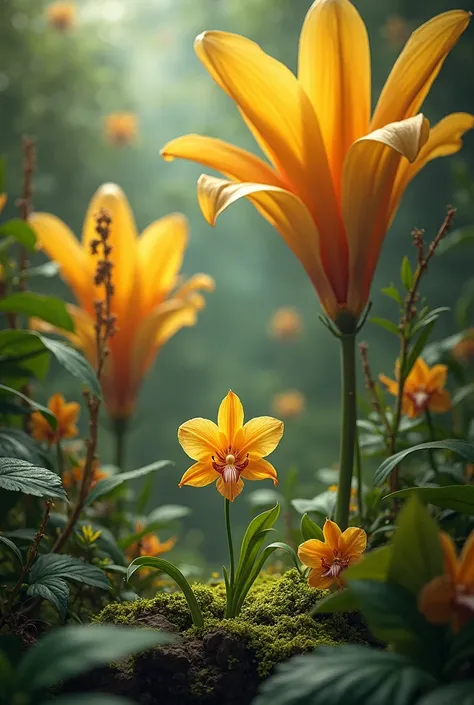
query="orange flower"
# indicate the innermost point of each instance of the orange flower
(423, 389)
(450, 597)
(61, 15)
(73, 477)
(463, 351)
(3, 200)
(149, 545)
(150, 302)
(396, 31)
(329, 558)
(286, 324)
(289, 404)
(334, 175)
(121, 128)
(67, 414)
(230, 450)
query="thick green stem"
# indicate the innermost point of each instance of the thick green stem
(120, 431)
(348, 430)
(229, 542)
(358, 474)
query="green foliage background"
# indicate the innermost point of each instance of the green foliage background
(138, 56)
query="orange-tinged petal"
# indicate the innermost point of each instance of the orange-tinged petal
(369, 173)
(60, 244)
(260, 436)
(419, 374)
(352, 543)
(199, 475)
(229, 490)
(332, 534)
(198, 281)
(311, 553)
(440, 401)
(230, 417)
(334, 70)
(200, 438)
(161, 250)
(465, 575)
(286, 213)
(417, 67)
(436, 600)
(260, 469)
(3, 200)
(437, 377)
(233, 162)
(391, 384)
(274, 102)
(56, 404)
(317, 580)
(449, 556)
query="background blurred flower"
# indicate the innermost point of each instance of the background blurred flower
(423, 390)
(121, 128)
(66, 413)
(61, 15)
(286, 324)
(353, 504)
(463, 351)
(73, 477)
(396, 31)
(288, 404)
(149, 544)
(3, 200)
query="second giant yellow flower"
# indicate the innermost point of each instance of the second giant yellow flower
(334, 176)
(149, 306)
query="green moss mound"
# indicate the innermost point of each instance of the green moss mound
(224, 661)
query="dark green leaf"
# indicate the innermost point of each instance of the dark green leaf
(339, 601)
(345, 675)
(7, 542)
(43, 410)
(48, 308)
(417, 348)
(92, 699)
(310, 530)
(74, 362)
(105, 486)
(387, 325)
(461, 693)
(71, 651)
(69, 568)
(373, 566)
(459, 498)
(22, 476)
(20, 231)
(406, 274)
(53, 589)
(461, 646)
(15, 443)
(462, 448)
(22, 354)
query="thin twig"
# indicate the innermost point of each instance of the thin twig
(25, 202)
(371, 387)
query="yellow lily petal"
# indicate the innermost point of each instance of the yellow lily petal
(353, 542)
(200, 438)
(197, 281)
(260, 436)
(465, 575)
(161, 250)
(199, 475)
(436, 600)
(285, 212)
(229, 490)
(445, 139)
(270, 96)
(417, 67)
(233, 162)
(311, 553)
(332, 534)
(334, 70)
(61, 245)
(230, 417)
(260, 469)
(369, 173)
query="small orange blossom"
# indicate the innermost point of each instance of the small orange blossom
(73, 477)
(423, 389)
(149, 545)
(285, 324)
(61, 15)
(289, 404)
(66, 414)
(229, 450)
(121, 128)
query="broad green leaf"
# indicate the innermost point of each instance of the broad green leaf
(71, 651)
(386, 324)
(310, 530)
(69, 568)
(459, 498)
(462, 448)
(13, 547)
(53, 589)
(461, 647)
(416, 548)
(22, 476)
(178, 577)
(167, 512)
(22, 354)
(74, 362)
(43, 410)
(15, 443)
(339, 601)
(372, 566)
(345, 675)
(323, 503)
(20, 231)
(461, 693)
(108, 484)
(406, 274)
(48, 308)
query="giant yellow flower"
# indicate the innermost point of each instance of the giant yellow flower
(149, 306)
(334, 176)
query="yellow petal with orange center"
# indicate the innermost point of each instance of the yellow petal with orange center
(332, 534)
(200, 438)
(313, 551)
(417, 67)
(352, 543)
(435, 601)
(334, 70)
(317, 580)
(199, 475)
(229, 490)
(230, 417)
(260, 469)
(260, 436)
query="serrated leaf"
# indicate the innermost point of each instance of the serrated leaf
(103, 487)
(53, 589)
(74, 362)
(20, 231)
(15, 443)
(459, 498)
(22, 476)
(310, 530)
(43, 410)
(30, 304)
(68, 568)
(13, 547)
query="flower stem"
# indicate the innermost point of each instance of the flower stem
(229, 541)
(348, 431)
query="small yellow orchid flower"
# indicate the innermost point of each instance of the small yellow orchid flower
(450, 597)
(66, 413)
(121, 128)
(334, 176)
(150, 302)
(329, 558)
(228, 451)
(423, 390)
(61, 15)
(87, 536)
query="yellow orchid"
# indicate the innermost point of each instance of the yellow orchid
(450, 597)
(148, 306)
(423, 390)
(334, 176)
(87, 536)
(329, 558)
(228, 451)
(66, 413)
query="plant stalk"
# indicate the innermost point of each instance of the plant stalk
(348, 430)
(229, 541)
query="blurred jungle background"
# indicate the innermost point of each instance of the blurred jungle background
(59, 84)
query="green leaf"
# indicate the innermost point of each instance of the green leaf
(106, 541)
(178, 577)
(462, 448)
(53, 589)
(430, 317)
(108, 484)
(461, 394)
(167, 512)
(48, 308)
(461, 693)
(339, 601)
(69, 568)
(406, 274)
(20, 231)
(15, 443)
(373, 566)
(323, 503)
(393, 293)
(387, 325)
(345, 675)
(459, 498)
(71, 651)
(416, 548)
(460, 236)
(13, 547)
(92, 699)
(22, 354)
(44, 411)
(461, 646)
(22, 476)
(74, 362)
(310, 530)
(417, 348)
(255, 534)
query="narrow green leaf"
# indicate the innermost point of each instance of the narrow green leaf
(459, 498)
(386, 324)
(22, 476)
(406, 274)
(44, 411)
(310, 530)
(417, 348)
(108, 484)
(48, 308)
(393, 293)
(20, 231)
(13, 547)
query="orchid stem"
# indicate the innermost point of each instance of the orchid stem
(348, 430)
(229, 541)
